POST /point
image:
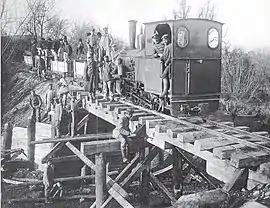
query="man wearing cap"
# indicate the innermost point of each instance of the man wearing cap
(114, 53)
(166, 59)
(109, 69)
(35, 103)
(158, 46)
(124, 133)
(48, 179)
(106, 42)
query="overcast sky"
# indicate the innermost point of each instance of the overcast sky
(247, 21)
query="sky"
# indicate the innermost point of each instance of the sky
(247, 22)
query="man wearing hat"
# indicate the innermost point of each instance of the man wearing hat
(35, 103)
(106, 42)
(124, 133)
(158, 46)
(90, 71)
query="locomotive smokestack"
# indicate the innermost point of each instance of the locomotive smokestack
(132, 33)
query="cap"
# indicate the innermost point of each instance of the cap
(165, 36)
(50, 84)
(113, 44)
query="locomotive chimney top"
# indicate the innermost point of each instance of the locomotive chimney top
(132, 33)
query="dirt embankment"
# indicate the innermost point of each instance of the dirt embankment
(16, 91)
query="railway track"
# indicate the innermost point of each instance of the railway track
(234, 144)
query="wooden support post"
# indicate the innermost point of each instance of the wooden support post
(177, 174)
(144, 181)
(72, 126)
(31, 136)
(83, 169)
(85, 128)
(7, 137)
(100, 179)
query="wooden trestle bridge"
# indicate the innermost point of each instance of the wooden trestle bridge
(232, 155)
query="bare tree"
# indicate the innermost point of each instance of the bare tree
(183, 10)
(242, 80)
(41, 14)
(208, 11)
(56, 26)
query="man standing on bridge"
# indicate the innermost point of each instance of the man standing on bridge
(124, 134)
(35, 103)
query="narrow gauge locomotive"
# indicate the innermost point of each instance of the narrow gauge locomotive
(195, 75)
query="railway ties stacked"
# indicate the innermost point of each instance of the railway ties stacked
(209, 140)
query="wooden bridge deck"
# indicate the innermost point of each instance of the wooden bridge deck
(225, 149)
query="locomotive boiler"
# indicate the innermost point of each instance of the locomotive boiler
(195, 66)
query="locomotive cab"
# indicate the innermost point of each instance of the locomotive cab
(195, 75)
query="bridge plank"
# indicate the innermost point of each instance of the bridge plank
(143, 119)
(243, 159)
(188, 137)
(112, 106)
(162, 127)
(174, 132)
(227, 151)
(243, 128)
(152, 123)
(210, 143)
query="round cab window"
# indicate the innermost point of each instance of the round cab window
(213, 38)
(182, 37)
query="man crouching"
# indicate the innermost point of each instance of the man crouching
(124, 134)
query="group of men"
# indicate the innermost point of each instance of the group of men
(45, 50)
(103, 66)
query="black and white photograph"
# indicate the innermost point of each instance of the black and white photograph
(135, 103)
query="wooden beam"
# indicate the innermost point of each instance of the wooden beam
(253, 158)
(210, 143)
(89, 137)
(202, 173)
(95, 147)
(83, 122)
(77, 152)
(90, 164)
(120, 199)
(100, 179)
(164, 170)
(63, 159)
(239, 181)
(188, 137)
(31, 137)
(162, 188)
(136, 170)
(177, 173)
(226, 151)
(40, 200)
(174, 132)
(55, 149)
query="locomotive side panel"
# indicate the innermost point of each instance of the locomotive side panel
(205, 76)
(178, 78)
(191, 39)
(148, 72)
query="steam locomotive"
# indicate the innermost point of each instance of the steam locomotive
(195, 66)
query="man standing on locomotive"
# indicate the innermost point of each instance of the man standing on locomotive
(165, 74)
(158, 46)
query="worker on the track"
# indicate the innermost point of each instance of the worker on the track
(48, 178)
(124, 134)
(49, 98)
(57, 117)
(35, 103)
